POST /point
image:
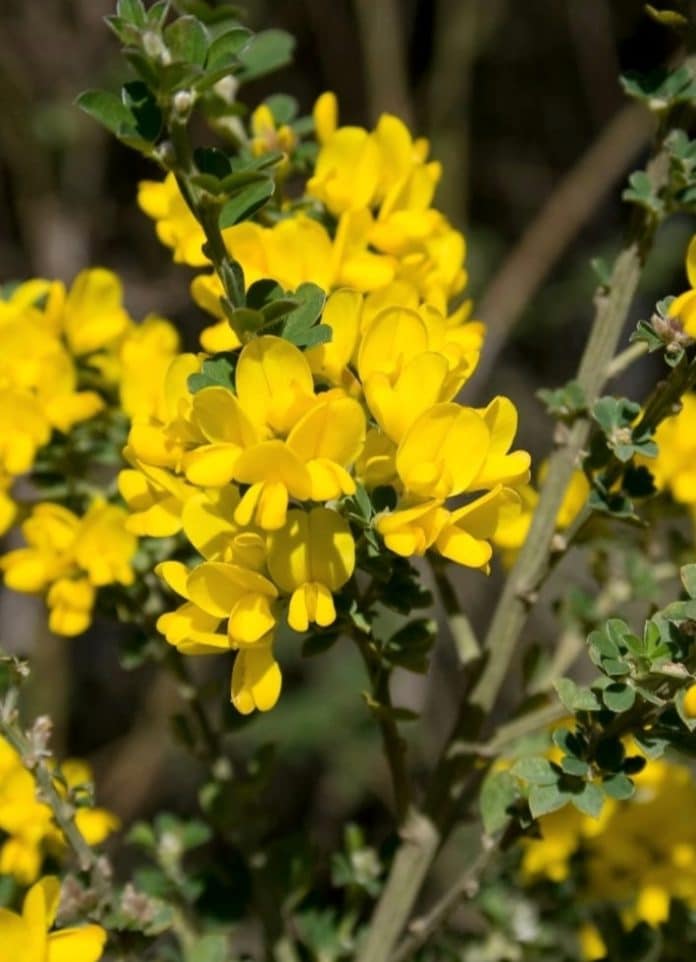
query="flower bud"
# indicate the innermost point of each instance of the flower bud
(183, 102)
(690, 702)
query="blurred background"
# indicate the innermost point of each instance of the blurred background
(522, 103)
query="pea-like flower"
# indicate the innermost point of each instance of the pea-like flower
(311, 557)
(28, 937)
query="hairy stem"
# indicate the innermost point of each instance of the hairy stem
(63, 810)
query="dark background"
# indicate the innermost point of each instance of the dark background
(513, 94)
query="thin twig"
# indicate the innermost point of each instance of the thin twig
(466, 886)
(63, 811)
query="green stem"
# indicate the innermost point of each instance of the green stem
(63, 811)
(207, 214)
(394, 744)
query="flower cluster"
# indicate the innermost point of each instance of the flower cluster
(257, 471)
(28, 824)
(27, 937)
(365, 223)
(67, 355)
(639, 854)
(69, 557)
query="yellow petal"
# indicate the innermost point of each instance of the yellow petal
(274, 382)
(41, 904)
(443, 451)
(394, 337)
(691, 261)
(325, 115)
(220, 417)
(418, 387)
(84, 944)
(17, 943)
(333, 429)
(216, 587)
(250, 619)
(256, 680)
(342, 315)
(211, 465)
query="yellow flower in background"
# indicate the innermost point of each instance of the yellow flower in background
(683, 308)
(267, 136)
(28, 823)
(312, 556)
(155, 498)
(176, 226)
(674, 468)
(27, 937)
(639, 854)
(68, 557)
(512, 532)
(91, 313)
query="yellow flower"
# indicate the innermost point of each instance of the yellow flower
(639, 854)
(216, 591)
(91, 314)
(29, 823)
(683, 308)
(675, 466)
(256, 679)
(144, 355)
(690, 702)
(312, 556)
(155, 499)
(176, 226)
(267, 136)
(591, 943)
(27, 937)
(68, 557)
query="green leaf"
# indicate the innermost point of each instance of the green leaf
(132, 11)
(243, 204)
(576, 698)
(107, 109)
(266, 52)
(589, 801)
(574, 766)
(138, 98)
(619, 698)
(226, 48)
(211, 160)
(564, 402)
(283, 107)
(688, 578)
(547, 798)
(618, 786)
(498, 793)
(187, 40)
(216, 371)
(536, 770)
(300, 326)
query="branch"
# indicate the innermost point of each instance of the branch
(466, 886)
(32, 751)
